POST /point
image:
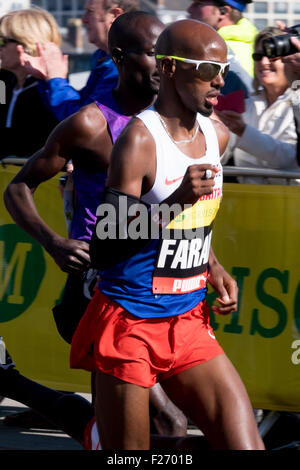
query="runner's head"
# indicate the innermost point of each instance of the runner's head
(194, 85)
(131, 41)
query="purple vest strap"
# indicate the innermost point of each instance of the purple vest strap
(116, 122)
(89, 186)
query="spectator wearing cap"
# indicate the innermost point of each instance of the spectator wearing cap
(206, 11)
(216, 14)
(238, 32)
(226, 16)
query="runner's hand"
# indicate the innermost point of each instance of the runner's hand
(194, 183)
(72, 256)
(226, 287)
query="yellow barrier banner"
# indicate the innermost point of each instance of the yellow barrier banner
(30, 285)
(256, 237)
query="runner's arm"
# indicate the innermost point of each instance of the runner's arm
(224, 285)
(70, 255)
(218, 277)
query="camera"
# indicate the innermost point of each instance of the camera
(280, 46)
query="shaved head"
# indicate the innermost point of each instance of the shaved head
(125, 31)
(191, 39)
(182, 82)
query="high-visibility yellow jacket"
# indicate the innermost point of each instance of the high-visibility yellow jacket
(240, 38)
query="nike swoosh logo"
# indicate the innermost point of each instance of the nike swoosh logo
(168, 182)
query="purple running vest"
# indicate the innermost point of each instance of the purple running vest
(89, 186)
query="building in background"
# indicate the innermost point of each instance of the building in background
(166, 10)
(62, 10)
(266, 13)
(8, 5)
(261, 12)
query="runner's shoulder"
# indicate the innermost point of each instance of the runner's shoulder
(88, 121)
(135, 143)
(133, 155)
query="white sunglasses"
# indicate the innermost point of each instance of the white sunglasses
(207, 69)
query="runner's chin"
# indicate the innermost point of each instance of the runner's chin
(155, 84)
(205, 109)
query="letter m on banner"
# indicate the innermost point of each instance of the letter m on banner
(2, 92)
(15, 265)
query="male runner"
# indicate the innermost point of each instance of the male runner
(87, 137)
(149, 321)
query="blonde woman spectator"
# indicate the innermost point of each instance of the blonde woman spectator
(25, 121)
(265, 135)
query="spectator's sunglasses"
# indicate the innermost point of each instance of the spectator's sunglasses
(4, 41)
(207, 69)
(257, 56)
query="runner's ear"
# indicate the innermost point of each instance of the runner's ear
(117, 55)
(168, 66)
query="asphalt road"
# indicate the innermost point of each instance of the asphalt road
(15, 438)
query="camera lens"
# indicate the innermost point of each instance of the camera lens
(284, 45)
(280, 46)
(269, 48)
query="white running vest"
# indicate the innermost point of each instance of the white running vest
(171, 163)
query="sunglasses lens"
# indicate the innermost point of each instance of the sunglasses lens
(257, 56)
(208, 72)
(4, 41)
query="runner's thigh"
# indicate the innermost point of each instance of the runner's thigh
(122, 414)
(214, 397)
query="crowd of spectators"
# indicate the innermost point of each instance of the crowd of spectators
(35, 72)
(264, 135)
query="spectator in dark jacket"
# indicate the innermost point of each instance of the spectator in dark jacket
(25, 121)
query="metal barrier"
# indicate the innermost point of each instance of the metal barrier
(13, 161)
(228, 170)
(262, 172)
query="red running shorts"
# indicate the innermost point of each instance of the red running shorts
(138, 350)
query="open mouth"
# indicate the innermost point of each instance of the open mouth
(212, 99)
